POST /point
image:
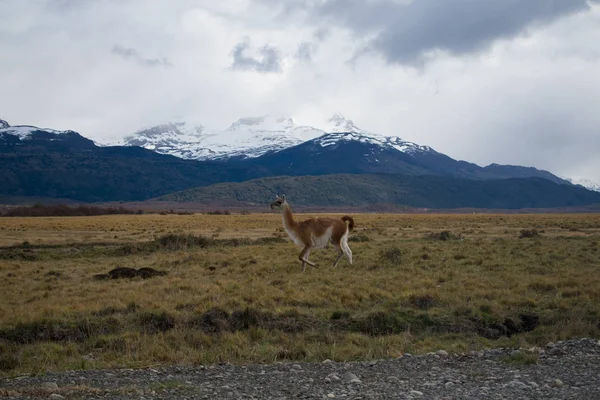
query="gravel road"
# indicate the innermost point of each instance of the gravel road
(565, 370)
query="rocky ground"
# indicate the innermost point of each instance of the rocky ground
(565, 370)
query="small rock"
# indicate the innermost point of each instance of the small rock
(327, 380)
(327, 361)
(393, 379)
(557, 383)
(556, 351)
(350, 377)
(449, 384)
(533, 385)
(442, 353)
(550, 344)
(515, 353)
(50, 385)
(407, 355)
(56, 396)
(297, 367)
(416, 393)
(334, 377)
(331, 396)
(518, 385)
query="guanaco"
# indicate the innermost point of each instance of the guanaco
(316, 232)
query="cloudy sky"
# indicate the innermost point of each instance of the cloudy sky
(506, 81)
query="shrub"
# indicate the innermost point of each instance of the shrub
(361, 237)
(443, 236)
(392, 255)
(423, 302)
(154, 323)
(178, 241)
(529, 233)
(62, 210)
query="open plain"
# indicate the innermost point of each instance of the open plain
(229, 288)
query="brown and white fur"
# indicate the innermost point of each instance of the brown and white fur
(315, 233)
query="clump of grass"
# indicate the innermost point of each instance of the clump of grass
(51, 330)
(443, 236)
(529, 233)
(521, 358)
(178, 241)
(339, 315)
(392, 255)
(8, 360)
(156, 322)
(218, 212)
(359, 238)
(422, 302)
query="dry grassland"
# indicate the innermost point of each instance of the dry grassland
(234, 290)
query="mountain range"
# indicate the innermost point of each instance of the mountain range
(174, 157)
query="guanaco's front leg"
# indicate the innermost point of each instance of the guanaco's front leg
(304, 257)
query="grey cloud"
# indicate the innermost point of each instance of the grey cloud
(269, 60)
(406, 31)
(134, 55)
(305, 51)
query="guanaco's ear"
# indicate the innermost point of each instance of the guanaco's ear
(283, 197)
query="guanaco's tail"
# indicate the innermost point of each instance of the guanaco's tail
(350, 220)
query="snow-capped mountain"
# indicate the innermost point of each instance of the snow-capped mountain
(245, 138)
(586, 183)
(388, 142)
(175, 138)
(33, 137)
(28, 132)
(253, 137)
(340, 124)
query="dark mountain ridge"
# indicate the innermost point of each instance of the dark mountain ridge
(415, 191)
(63, 164)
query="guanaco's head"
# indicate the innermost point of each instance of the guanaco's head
(279, 201)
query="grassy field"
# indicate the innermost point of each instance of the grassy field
(234, 290)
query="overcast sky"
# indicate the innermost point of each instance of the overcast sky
(506, 81)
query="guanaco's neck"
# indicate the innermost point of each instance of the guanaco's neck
(288, 218)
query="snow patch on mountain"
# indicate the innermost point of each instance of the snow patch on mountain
(247, 138)
(586, 183)
(25, 132)
(340, 124)
(254, 136)
(343, 129)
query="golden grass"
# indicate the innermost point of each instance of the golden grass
(405, 291)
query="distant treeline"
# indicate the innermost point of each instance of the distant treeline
(61, 210)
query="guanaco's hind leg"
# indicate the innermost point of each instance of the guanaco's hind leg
(347, 251)
(340, 254)
(304, 257)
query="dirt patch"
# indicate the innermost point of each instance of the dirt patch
(129, 273)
